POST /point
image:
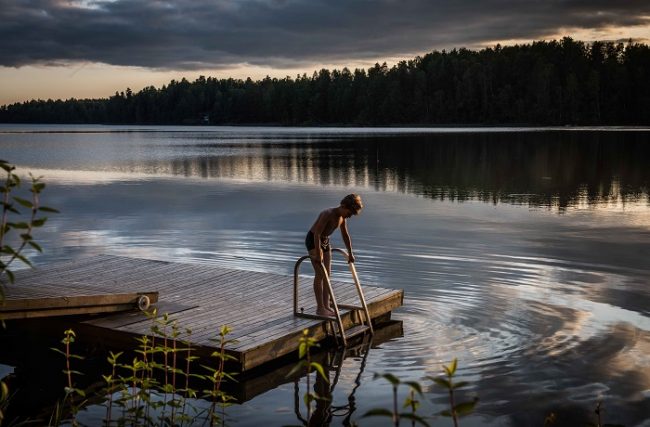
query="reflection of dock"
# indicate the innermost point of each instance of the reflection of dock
(262, 380)
(257, 306)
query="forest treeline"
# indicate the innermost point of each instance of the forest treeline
(545, 83)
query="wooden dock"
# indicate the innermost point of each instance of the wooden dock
(51, 300)
(257, 306)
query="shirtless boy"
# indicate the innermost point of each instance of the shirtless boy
(318, 245)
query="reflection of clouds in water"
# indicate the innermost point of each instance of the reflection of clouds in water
(85, 177)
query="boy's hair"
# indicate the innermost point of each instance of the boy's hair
(352, 202)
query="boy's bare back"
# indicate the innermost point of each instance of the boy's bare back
(327, 222)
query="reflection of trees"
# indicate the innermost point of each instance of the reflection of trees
(537, 168)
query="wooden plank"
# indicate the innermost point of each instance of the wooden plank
(26, 304)
(116, 321)
(64, 311)
(59, 272)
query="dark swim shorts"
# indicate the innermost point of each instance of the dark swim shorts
(309, 242)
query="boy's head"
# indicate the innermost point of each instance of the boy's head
(353, 203)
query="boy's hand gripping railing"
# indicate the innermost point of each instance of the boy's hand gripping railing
(337, 317)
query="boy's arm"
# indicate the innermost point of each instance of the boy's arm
(346, 239)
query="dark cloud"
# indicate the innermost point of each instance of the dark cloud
(193, 34)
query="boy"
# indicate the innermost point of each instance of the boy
(318, 245)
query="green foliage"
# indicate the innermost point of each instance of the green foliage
(152, 389)
(74, 397)
(546, 82)
(456, 410)
(19, 233)
(217, 376)
(305, 345)
(16, 230)
(4, 399)
(410, 402)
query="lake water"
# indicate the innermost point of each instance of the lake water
(522, 252)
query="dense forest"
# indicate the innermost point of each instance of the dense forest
(545, 83)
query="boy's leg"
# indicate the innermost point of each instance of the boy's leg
(327, 261)
(321, 304)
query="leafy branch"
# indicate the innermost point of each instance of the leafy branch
(10, 205)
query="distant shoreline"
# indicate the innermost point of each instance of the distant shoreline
(129, 128)
(554, 83)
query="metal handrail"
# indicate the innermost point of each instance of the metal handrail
(355, 278)
(337, 313)
(357, 284)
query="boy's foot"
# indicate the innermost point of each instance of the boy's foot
(325, 312)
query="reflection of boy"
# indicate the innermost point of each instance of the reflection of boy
(318, 246)
(322, 415)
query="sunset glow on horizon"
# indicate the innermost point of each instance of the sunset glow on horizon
(91, 49)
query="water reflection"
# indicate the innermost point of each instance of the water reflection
(556, 169)
(552, 168)
(545, 312)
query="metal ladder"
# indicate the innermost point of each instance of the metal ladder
(335, 362)
(361, 328)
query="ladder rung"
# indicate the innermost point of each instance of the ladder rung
(351, 306)
(356, 330)
(316, 316)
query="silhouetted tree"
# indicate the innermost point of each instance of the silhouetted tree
(546, 82)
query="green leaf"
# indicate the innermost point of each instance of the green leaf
(389, 377)
(450, 369)
(299, 367)
(225, 330)
(11, 276)
(23, 259)
(414, 385)
(320, 370)
(460, 384)
(465, 407)
(453, 366)
(302, 349)
(4, 391)
(378, 412)
(47, 209)
(308, 398)
(445, 413)
(57, 350)
(35, 245)
(18, 225)
(442, 382)
(413, 417)
(23, 202)
(38, 222)
(37, 187)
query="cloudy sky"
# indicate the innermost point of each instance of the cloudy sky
(91, 48)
